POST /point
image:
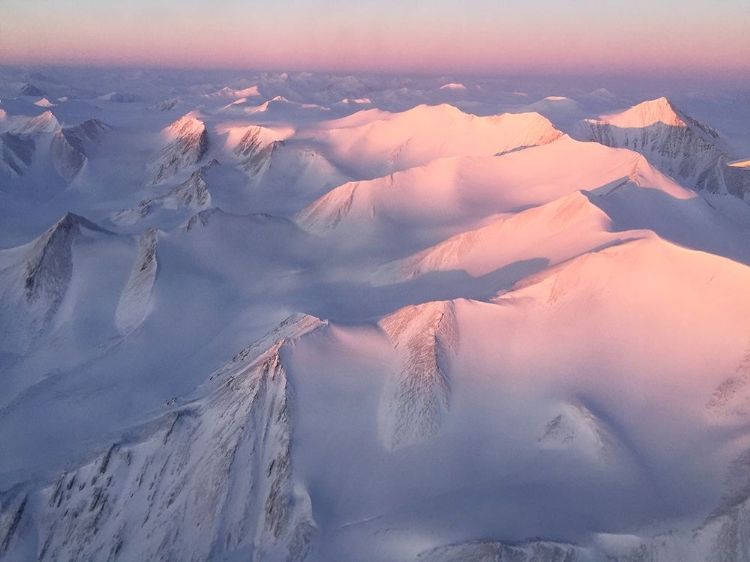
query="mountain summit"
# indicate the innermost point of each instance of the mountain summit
(677, 144)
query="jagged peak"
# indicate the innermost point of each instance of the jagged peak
(188, 124)
(70, 221)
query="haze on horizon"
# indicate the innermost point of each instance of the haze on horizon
(692, 38)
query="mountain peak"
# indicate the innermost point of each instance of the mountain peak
(645, 114)
(70, 221)
(188, 146)
(186, 125)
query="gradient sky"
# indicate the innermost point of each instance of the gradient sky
(697, 37)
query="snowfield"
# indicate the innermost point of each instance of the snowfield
(317, 318)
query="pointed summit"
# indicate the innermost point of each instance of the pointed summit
(646, 114)
(44, 123)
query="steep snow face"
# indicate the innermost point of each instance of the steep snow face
(191, 195)
(70, 143)
(135, 300)
(417, 393)
(391, 142)
(36, 278)
(673, 141)
(205, 480)
(188, 145)
(17, 153)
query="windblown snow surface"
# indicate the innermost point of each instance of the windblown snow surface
(287, 317)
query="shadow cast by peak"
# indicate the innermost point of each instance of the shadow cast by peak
(346, 301)
(693, 222)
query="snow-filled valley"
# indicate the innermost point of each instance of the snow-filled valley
(287, 317)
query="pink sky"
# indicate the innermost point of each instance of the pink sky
(316, 35)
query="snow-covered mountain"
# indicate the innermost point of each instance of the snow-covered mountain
(674, 142)
(188, 144)
(330, 320)
(69, 146)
